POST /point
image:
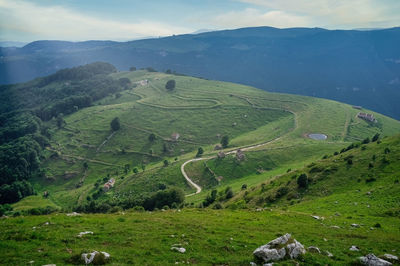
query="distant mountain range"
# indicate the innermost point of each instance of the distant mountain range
(354, 66)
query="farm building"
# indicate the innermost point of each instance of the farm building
(367, 117)
(175, 136)
(110, 183)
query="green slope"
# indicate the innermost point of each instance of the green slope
(360, 182)
(201, 111)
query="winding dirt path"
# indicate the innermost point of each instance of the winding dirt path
(243, 148)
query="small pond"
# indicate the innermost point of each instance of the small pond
(317, 136)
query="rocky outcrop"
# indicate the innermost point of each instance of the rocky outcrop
(95, 257)
(372, 260)
(284, 247)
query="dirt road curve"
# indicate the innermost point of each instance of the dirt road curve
(197, 187)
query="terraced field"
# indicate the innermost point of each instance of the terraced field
(201, 112)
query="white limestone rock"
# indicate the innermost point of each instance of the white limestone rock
(279, 249)
(372, 260)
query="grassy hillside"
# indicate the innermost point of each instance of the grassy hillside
(210, 237)
(201, 112)
(360, 182)
(258, 196)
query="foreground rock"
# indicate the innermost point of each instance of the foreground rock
(179, 249)
(284, 247)
(95, 257)
(391, 258)
(372, 260)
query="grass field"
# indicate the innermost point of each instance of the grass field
(201, 111)
(210, 237)
(266, 202)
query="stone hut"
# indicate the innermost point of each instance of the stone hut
(240, 155)
(218, 147)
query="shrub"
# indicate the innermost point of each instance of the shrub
(302, 181)
(115, 124)
(170, 85)
(375, 137)
(282, 191)
(218, 206)
(115, 209)
(244, 186)
(229, 193)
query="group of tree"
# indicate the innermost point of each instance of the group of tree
(164, 198)
(24, 107)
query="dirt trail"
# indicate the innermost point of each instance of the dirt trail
(244, 148)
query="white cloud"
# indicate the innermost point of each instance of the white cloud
(57, 22)
(251, 17)
(339, 13)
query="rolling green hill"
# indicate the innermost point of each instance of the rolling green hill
(258, 194)
(201, 112)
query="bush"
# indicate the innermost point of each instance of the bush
(375, 137)
(164, 198)
(225, 141)
(229, 193)
(302, 181)
(244, 186)
(115, 209)
(115, 124)
(200, 151)
(218, 206)
(170, 85)
(282, 191)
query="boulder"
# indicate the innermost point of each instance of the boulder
(355, 225)
(313, 249)
(391, 258)
(181, 250)
(73, 214)
(98, 257)
(85, 233)
(280, 248)
(354, 248)
(372, 260)
(317, 217)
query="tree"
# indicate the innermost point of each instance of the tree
(170, 85)
(165, 148)
(135, 170)
(375, 137)
(200, 151)
(85, 165)
(152, 137)
(302, 181)
(127, 168)
(60, 121)
(166, 163)
(225, 141)
(132, 68)
(228, 193)
(115, 125)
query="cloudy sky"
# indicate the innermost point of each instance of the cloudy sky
(29, 20)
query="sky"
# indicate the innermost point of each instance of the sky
(122, 20)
